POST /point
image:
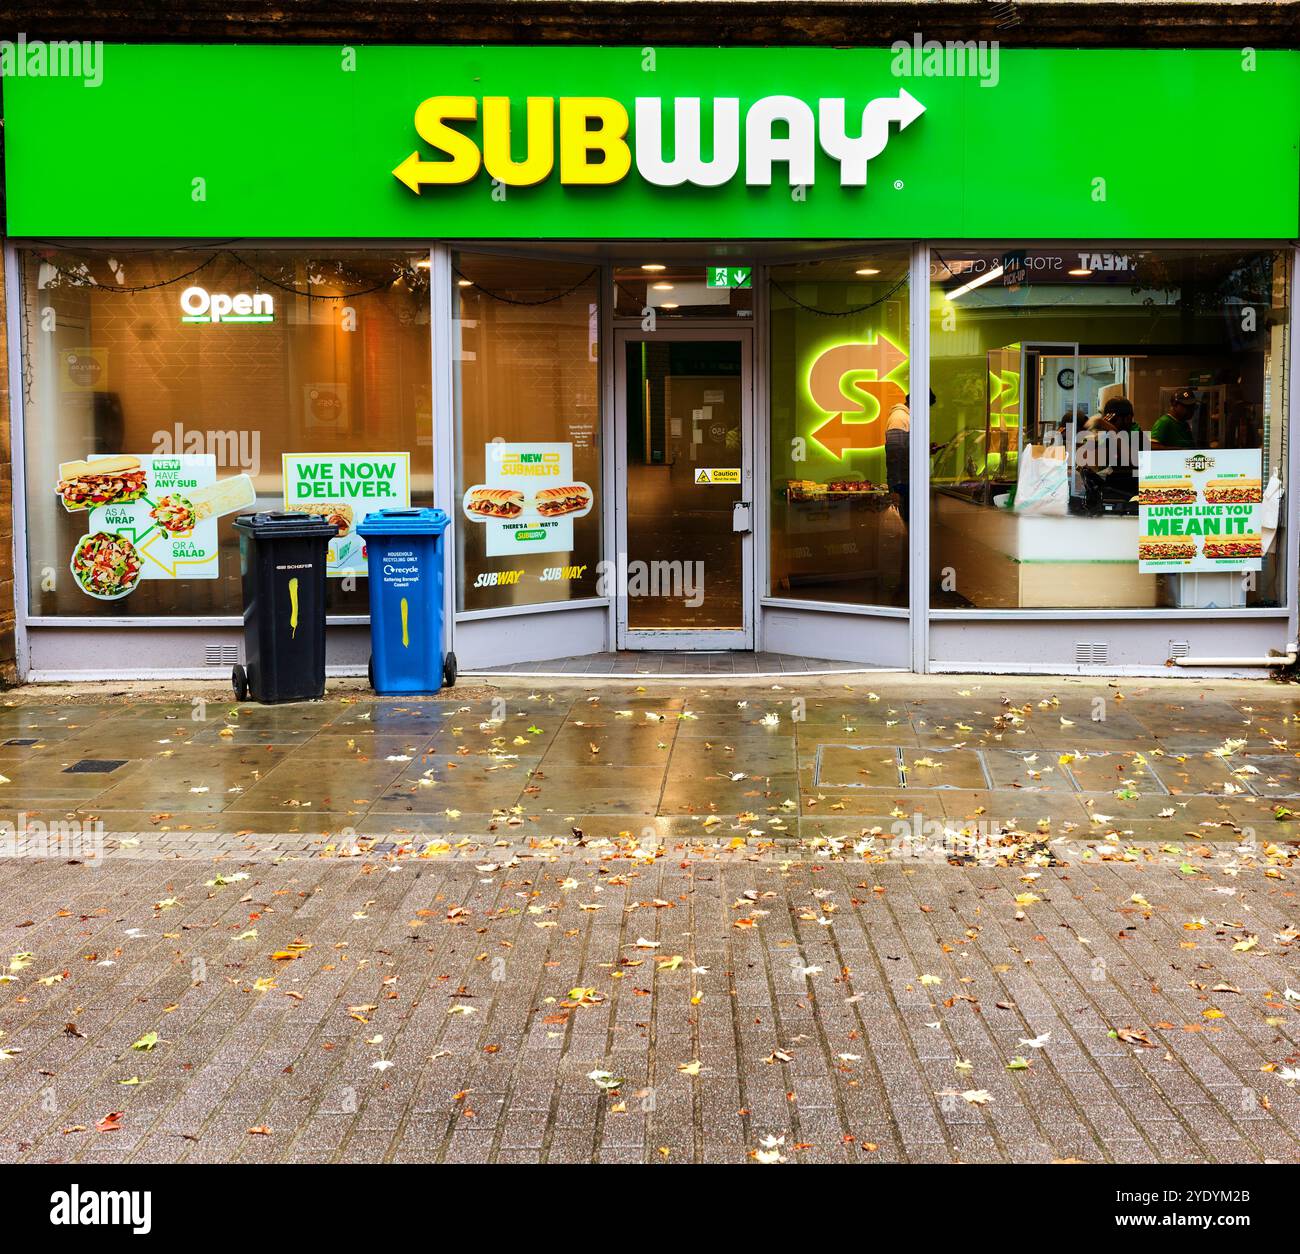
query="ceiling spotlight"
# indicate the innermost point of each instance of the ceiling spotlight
(464, 283)
(866, 271)
(1079, 272)
(662, 287)
(668, 304)
(653, 267)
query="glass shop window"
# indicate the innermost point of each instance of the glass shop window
(162, 391)
(840, 427)
(1109, 427)
(527, 388)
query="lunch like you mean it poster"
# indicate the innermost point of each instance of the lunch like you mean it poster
(1200, 510)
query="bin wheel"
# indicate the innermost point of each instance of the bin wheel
(239, 681)
(370, 671)
(449, 670)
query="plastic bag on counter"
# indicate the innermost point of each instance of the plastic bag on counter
(1043, 486)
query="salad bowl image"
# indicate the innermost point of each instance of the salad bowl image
(106, 566)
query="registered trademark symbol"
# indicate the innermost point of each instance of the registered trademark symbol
(898, 185)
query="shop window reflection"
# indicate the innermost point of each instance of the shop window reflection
(118, 366)
(1051, 389)
(527, 389)
(840, 422)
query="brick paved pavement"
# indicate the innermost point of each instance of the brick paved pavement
(770, 983)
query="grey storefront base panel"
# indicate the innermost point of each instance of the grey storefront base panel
(1141, 646)
(524, 637)
(152, 652)
(872, 640)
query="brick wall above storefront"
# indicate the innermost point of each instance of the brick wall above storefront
(835, 23)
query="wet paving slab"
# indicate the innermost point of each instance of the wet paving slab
(1096, 754)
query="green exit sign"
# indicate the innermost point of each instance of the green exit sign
(730, 276)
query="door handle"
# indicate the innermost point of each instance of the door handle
(741, 521)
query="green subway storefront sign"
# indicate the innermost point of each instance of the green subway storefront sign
(685, 143)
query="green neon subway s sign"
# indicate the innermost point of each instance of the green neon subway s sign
(704, 143)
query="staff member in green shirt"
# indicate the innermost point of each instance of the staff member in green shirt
(1173, 429)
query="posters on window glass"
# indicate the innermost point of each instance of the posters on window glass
(148, 516)
(343, 488)
(1200, 510)
(528, 499)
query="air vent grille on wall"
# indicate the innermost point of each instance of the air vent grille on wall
(220, 654)
(1091, 653)
(1180, 648)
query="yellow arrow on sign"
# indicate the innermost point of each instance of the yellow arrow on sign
(413, 172)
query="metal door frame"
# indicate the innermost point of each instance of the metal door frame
(704, 639)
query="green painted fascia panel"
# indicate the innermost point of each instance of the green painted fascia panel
(290, 142)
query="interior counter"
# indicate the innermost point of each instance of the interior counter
(1002, 560)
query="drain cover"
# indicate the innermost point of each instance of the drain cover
(94, 766)
(31, 740)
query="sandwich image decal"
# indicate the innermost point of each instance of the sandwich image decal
(336, 513)
(553, 502)
(1221, 547)
(1234, 492)
(102, 481)
(1166, 548)
(494, 502)
(1171, 492)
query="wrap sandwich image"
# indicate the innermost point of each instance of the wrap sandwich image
(102, 481)
(1232, 546)
(1166, 492)
(1166, 548)
(1234, 492)
(495, 502)
(338, 515)
(553, 502)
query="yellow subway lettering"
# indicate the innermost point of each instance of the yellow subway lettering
(578, 142)
(431, 118)
(539, 141)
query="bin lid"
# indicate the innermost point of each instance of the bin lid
(403, 522)
(285, 525)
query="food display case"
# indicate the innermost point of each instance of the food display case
(808, 490)
(838, 531)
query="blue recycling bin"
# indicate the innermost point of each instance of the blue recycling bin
(404, 555)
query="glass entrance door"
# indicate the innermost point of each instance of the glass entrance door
(685, 490)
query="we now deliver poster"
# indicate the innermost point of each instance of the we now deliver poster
(343, 488)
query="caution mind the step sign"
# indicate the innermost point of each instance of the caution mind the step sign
(718, 474)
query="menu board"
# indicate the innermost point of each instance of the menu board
(528, 499)
(1200, 510)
